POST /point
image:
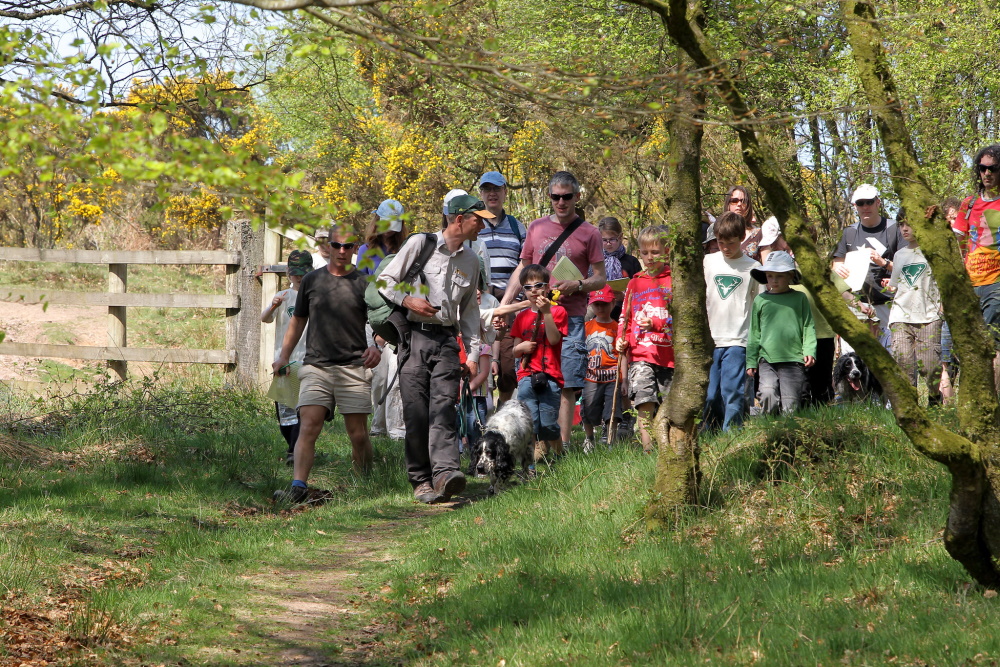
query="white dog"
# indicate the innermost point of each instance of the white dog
(508, 439)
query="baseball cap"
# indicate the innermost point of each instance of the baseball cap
(451, 195)
(603, 295)
(322, 233)
(866, 191)
(299, 263)
(770, 231)
(710, 233)
(463, 204)
(391, 210)
(493, 178)
(777, 261)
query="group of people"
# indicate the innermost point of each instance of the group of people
(556, 309)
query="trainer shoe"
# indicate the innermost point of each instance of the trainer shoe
(293, 495)
(425, 493)
(289, 459)
(588, 446)
(448, 484)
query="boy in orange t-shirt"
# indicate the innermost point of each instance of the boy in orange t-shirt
(602, 368)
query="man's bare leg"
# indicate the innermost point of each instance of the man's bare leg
(361, 445)
(311, 419)
(567, 405)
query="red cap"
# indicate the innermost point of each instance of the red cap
(603, 295)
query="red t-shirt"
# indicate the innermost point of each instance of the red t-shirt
(551, 355)
(982, 232)
(602, 360)
(649, 296)
(583, 248)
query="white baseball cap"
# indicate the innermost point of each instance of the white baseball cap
(770, 231)
(451, 195)
(866, 191)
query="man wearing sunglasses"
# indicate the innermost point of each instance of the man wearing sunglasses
(429, 367)
(336, 371)
(978, 220)
(584, 248)
(882, 238)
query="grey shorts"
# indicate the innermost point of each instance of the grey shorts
(648, 383)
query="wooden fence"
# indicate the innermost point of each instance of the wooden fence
(249, 343)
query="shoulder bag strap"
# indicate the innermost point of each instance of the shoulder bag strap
(554, 248)
(430, 241)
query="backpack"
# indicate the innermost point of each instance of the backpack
(387, 319)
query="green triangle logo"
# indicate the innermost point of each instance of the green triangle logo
(911, 272)
(727, 285)
(992, 217)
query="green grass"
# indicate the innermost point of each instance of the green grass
(818, 541)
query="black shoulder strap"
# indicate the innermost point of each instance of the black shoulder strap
(551, 252)
(430, 241)
(515, 226)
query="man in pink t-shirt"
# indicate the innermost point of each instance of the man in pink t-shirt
(585, 249)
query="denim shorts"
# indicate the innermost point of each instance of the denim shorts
(543, 406)
(574, 355)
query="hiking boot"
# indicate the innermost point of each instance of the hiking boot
(425, 493)
(448, 484)
(293, 495)
(588, 446)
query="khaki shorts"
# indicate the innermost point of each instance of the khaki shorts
(348, 388)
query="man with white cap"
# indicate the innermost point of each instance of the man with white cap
(384, 235)
(882, 238)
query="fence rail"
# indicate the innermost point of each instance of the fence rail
(120, 256)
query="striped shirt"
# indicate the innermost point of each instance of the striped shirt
(504, 247)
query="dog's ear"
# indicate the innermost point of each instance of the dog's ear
(503, 463)
(838, 370)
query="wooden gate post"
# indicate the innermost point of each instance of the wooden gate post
(117, 331)
(243, 323)
(269, 287)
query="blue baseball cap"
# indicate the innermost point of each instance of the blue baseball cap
(493, 178)
(391, 210)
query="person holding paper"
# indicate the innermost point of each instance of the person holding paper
(569, 248)
(880, 238)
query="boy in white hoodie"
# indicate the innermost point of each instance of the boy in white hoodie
(730, 291)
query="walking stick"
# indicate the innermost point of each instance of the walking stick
(614, 401)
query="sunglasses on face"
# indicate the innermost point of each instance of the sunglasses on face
(992, 168)
(864, 202)
(565, 197)
(345, 246)
(734, 200)
(531, 286)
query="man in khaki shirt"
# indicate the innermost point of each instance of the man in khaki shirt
(430, 374)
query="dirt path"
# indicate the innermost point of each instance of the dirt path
(56, 324)
(310, 617)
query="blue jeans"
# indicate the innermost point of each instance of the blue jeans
(574, 355)
(543, 406)
(726, 403)
(989, 303)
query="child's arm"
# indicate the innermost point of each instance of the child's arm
(268, 315)
(523, 347)
(808, 334)
(484, 372)
(624, 320)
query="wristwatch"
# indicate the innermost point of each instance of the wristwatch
(580, 288)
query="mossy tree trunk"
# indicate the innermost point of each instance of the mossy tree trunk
(969, 537)
(675, 427)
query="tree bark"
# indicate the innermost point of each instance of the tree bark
(675, 427)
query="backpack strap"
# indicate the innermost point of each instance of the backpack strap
(515, 226)
(554, 248)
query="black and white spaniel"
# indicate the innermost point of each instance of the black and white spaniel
(508, 439)
(853, 381)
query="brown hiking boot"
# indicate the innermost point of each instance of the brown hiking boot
(448, 484)
(425, 493)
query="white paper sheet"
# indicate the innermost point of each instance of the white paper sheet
(565, 270)
(875, 243)
(857, 263)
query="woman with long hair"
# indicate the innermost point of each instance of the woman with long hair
(738, 201)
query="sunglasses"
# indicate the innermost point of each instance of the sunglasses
(565, 197)
(478, 206)
(992, 168)
(345, 246)
(734, 200)
(864, 202)
(531, 286)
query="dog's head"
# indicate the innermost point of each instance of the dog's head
(852, 371)
(494, 458)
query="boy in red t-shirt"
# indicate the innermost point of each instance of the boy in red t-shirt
(646, 330)
(538, 335)
(602, 367)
